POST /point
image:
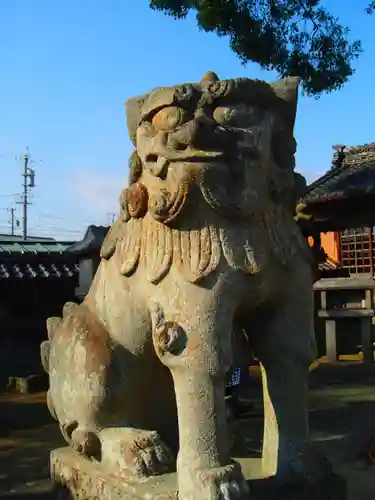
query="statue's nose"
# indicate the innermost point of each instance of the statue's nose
(203, 133)
(199, 133)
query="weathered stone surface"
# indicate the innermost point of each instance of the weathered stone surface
(82, 479)
(76, 478)
(205, 237)
(44, 354)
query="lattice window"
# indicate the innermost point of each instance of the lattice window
(357, 250)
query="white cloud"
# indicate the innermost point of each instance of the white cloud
(98, 193)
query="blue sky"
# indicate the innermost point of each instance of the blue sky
(66, 68)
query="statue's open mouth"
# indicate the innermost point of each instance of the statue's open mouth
(158, 165)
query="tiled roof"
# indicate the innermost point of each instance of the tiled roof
(31, 270)
(9, 245)
(35, 258)
(352, 174)
(91, 243)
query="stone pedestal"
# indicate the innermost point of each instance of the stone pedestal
(76, 478)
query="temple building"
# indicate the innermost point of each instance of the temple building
(342, 203)
(37, 277)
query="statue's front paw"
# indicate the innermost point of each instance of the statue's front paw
(149, 456)
(136, 453)
(82, 440)
(221, 483)
(85, 442)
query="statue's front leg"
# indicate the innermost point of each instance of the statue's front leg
(197, 351)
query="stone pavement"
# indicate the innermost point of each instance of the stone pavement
(26, 436)
(342, 420)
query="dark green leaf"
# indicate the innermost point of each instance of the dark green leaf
(293, 37)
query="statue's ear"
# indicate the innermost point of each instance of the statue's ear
(135, 168)
(300, 186)
(287, 92)
(133, 109)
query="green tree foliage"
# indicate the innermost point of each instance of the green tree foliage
(293, 37)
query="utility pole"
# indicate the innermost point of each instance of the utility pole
(13, 221)
(28, 183)
(111, 218)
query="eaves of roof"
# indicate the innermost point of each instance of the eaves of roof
(353, 176)
(10, 246)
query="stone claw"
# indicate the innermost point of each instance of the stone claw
(151, 458)
(85, 442)
(136, 453)
(222, 483)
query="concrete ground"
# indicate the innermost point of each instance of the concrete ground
(342, 420)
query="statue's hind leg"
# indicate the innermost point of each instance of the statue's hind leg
(285, 344)
(80, 362)
(96, 395)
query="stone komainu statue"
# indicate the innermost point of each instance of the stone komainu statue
(205, 238)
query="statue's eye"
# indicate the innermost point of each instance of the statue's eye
(241, 116)
(169, 118)
(223, 114)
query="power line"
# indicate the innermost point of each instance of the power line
(27, 186)
(58, 229)
(50, 216)
(62, 219)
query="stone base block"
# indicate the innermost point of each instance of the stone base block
(76, 478)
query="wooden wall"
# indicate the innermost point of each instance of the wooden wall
(331, 246)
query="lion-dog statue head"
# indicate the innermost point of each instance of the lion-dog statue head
(226, 145)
